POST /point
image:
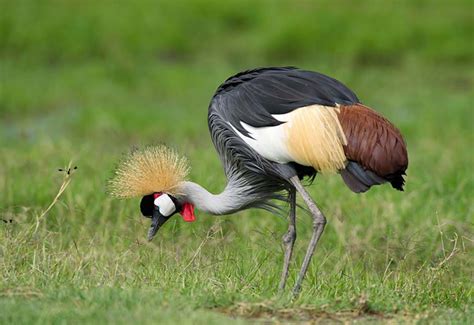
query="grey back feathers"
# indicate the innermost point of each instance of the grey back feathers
(254, 96)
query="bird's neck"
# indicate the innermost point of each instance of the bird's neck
(229, 201)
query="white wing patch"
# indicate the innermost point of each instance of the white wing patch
(268, 141)
(310, 136)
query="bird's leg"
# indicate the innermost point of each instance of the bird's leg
(319, 221)
(289, 238)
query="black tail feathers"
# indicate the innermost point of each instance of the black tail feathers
(397, 181)
(360, 180)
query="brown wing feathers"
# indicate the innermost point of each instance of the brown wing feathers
(375, 144)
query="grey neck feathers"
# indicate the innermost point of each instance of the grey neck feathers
(232, 199)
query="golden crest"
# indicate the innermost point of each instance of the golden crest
(148, 170)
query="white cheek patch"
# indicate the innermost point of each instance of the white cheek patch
(165, 204)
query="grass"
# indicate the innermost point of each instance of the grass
(85, 81)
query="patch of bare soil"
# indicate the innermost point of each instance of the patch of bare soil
(264, 313)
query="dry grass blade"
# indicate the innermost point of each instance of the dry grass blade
(68, 172)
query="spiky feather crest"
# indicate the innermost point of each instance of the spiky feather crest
(148, 170)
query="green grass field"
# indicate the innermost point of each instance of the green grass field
(84, 81)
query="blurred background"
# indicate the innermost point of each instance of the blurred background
(86, 80)
(82, 76)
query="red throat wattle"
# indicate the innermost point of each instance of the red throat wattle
(188, 212)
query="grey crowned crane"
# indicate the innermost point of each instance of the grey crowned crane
(271, 128)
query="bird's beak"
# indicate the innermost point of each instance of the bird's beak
(156, 222)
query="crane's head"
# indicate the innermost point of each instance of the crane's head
(160, 207)
(157, 175)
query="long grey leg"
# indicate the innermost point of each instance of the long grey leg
(289, 239)
(319, 221)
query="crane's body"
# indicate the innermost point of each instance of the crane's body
(271, 128)
(269, 123)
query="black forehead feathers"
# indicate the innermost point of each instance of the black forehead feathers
(146, 205)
